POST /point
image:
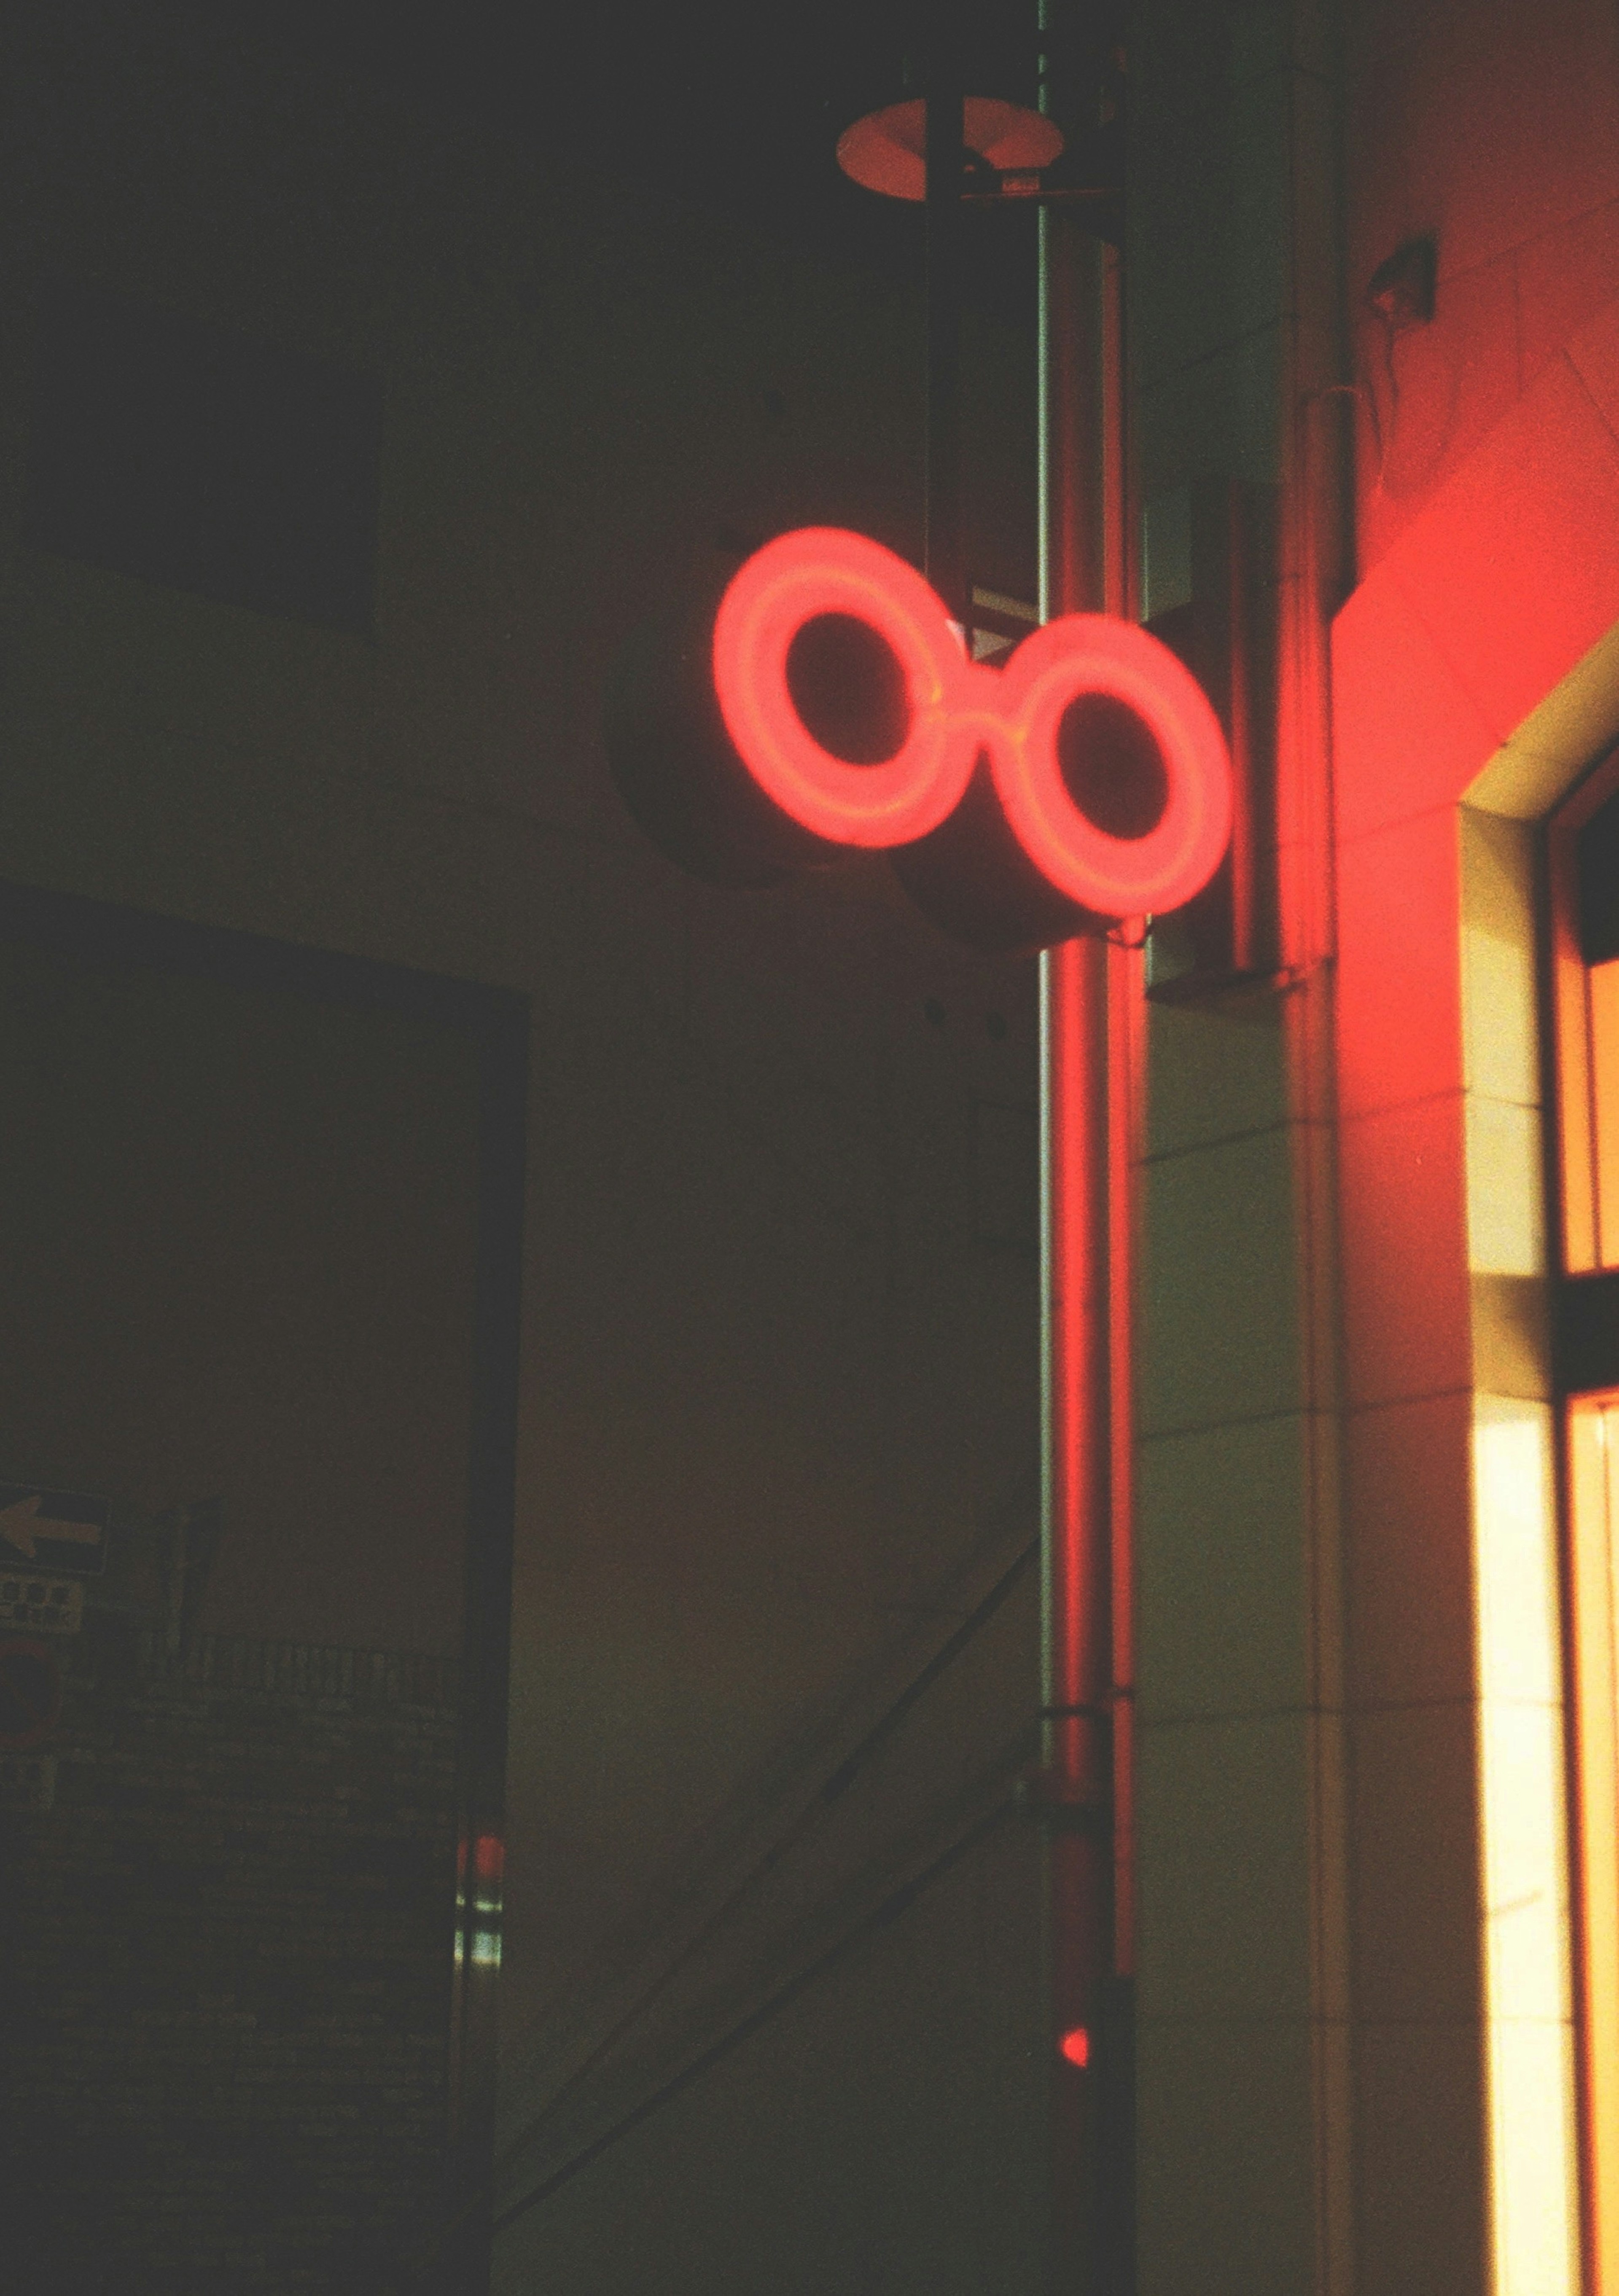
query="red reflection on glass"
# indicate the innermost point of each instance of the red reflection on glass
(959, 708)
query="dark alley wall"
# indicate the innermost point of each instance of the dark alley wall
(779, 1393)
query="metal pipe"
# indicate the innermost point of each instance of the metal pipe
(944, 554)
(1126, 1079)
(1077, 1542)
(1091, 1055)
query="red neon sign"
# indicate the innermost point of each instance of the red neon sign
(959, 710)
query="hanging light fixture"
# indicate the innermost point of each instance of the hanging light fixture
(996, 59)
(886, 150)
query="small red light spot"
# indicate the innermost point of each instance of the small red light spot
(1076, 2045)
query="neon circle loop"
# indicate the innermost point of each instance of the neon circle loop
(959, 710)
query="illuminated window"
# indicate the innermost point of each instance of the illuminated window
(1585, 866)
(1593, 1450)
(1584, 856)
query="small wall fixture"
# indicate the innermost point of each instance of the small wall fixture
(1403, 288)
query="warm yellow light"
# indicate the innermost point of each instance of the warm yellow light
(1530, 2064)
(1593, 1463)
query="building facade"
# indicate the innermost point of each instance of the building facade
(1384, 2035)
(772, 2013)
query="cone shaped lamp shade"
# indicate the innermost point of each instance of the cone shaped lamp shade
(885, 150)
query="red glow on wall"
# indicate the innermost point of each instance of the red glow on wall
(960, 708)
(1076, 2045)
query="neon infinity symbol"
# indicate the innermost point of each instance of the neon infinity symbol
(960, 710)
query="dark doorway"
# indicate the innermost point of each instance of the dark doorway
(260, 1214)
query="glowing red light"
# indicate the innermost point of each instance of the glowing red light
(1117, 876)
(792, 580)
(959, 708)
(1076, 2045)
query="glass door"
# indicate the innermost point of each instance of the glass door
(1584, 877)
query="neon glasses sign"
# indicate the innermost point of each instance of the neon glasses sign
(959, 711)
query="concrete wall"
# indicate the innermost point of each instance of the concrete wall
(1468, 664)
(779, 1386)
(1338, 2072)
(1492, 128)
(1243, 2096)
(1474, 685)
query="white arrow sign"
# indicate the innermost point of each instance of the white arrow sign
(21, 1522)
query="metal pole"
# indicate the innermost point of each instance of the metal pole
(1085, 1027)
(944, 554)
(1127, 1014)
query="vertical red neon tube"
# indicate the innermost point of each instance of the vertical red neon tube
(1091, 1025)
(1078, 1655)
(1126, 1120)
(1126, 1070)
